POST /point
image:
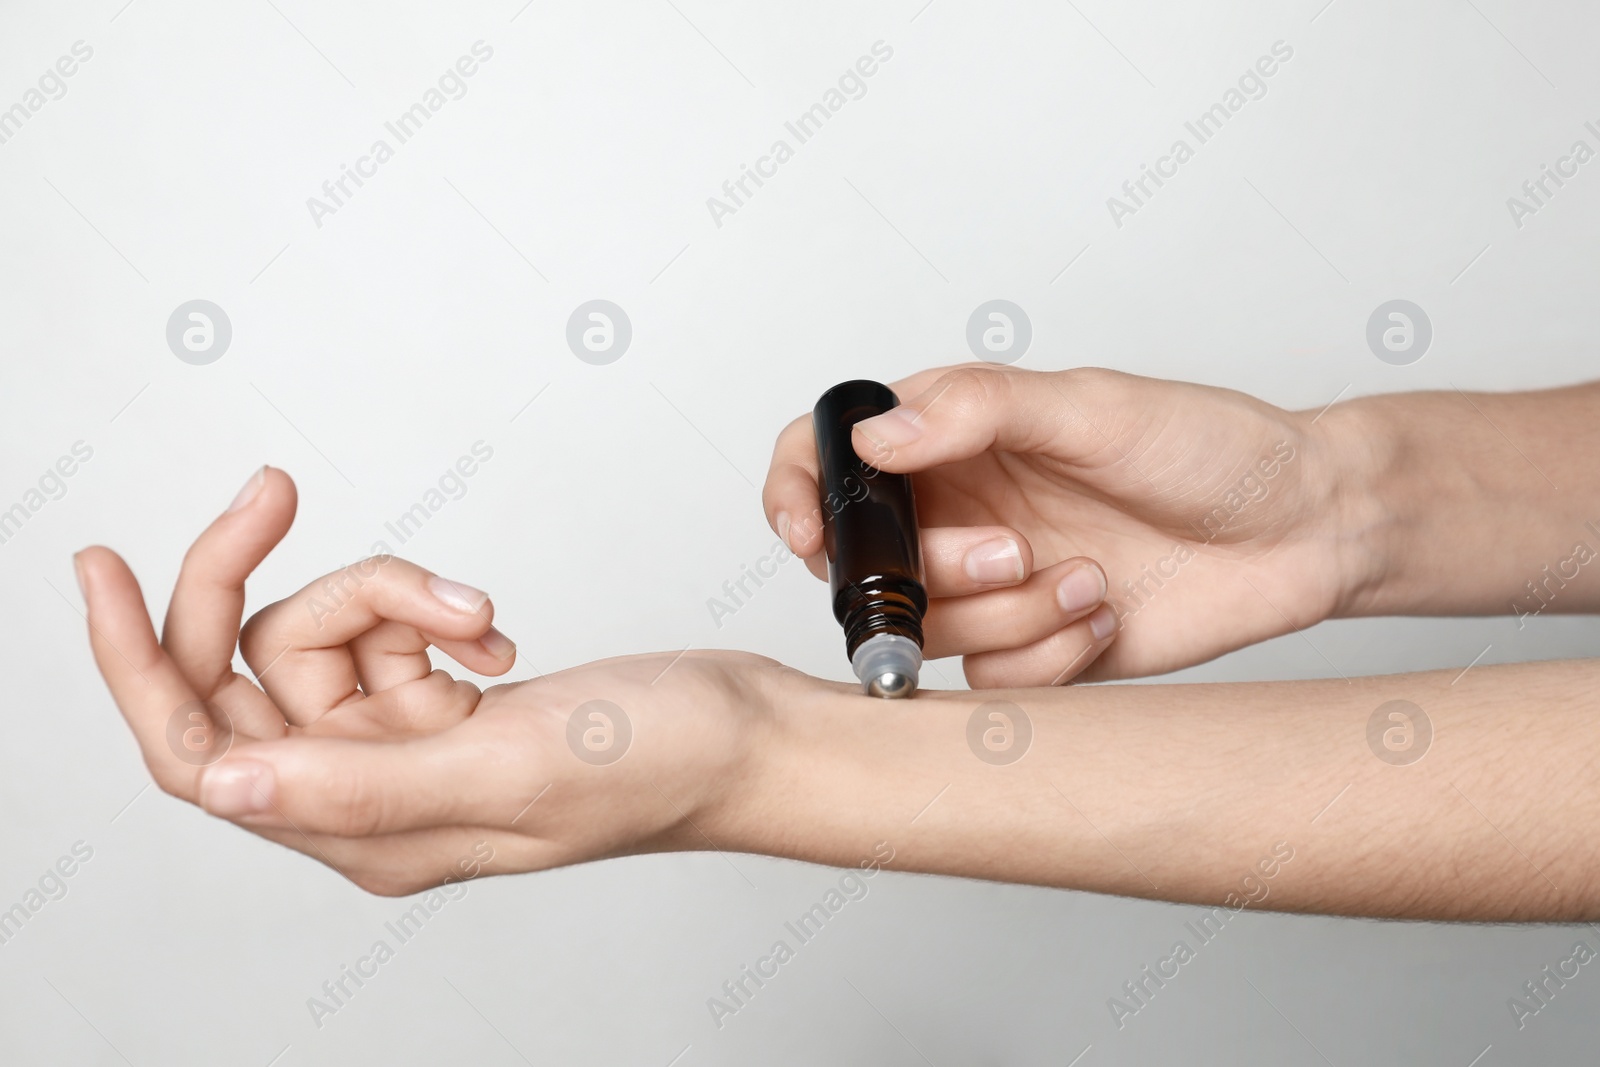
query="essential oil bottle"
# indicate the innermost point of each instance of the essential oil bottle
(869, 530)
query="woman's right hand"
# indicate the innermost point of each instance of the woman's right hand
(1091, 524)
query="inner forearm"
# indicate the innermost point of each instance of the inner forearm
(1216, 794)
(1475, 503)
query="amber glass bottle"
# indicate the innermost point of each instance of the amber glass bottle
(869, 529)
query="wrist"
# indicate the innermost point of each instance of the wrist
(1471, 504)
(1357, 452)
(822, 765)
(752, 800)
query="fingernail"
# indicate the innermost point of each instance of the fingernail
(455, 595)
(784, 523)
(242, 787)
(83, 581)
(893, 428)
(1103, 623)
(997, 560)
(1083, 587)
(251, 488)
(497, 644)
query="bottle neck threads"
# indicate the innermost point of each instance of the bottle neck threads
(893, 608)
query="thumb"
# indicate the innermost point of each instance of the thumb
(976, 409)
(358, 787)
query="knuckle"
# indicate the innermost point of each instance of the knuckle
(341, 587)
(980, 672)
(1031, 623)
(351, 581)
(968, 389)
(794, 442)
(169, 781)
(1096, 383)
(352, 808)
(252, 632)
(265, 633)
(190, 559)
(796, 436)
(790, 480)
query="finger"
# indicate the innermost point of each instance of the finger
(979, 408)
(1017, 616)
(1056, 660)
(297, 646)
(394, 653)
(201, 629)
(817, 565)
(958, 560)
(202, 624)
(790, 496)
(144, 680)
(358, 788)
(424, 706)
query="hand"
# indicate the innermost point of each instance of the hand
(357, 752)
(1206, 520)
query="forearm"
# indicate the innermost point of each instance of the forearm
(1193, 792)
(1472, 503)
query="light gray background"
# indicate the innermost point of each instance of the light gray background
(370, 353)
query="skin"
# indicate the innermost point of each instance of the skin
(1412, 504)
(351, 748)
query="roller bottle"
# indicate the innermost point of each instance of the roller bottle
(869, 531)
